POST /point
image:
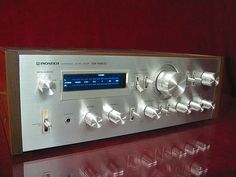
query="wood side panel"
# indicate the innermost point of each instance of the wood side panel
(4, 116)
(219, 88)
(3, 86)
(12, 72)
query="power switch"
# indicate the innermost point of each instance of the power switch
(46, 123)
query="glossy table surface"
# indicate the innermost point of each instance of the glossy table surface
(200, 149)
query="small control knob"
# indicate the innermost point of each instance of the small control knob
(46, 86)
(171, 83)
(195, 106)
(206, 104)
(116, 117)
(180, 107)
(93, 120)
(152, 112)
(209, 79)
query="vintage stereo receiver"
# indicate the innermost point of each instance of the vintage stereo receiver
(52, 98)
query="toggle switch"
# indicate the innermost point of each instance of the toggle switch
(139, 83)
(133, 114)
(46, 123)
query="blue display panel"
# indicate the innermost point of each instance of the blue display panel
(80, 82)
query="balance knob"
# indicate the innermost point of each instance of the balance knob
(93, 120)
(209, 79)
(152, 112)
(46, 86)
(171, 83)
(208, 104)
(116, 117)
(180, 107)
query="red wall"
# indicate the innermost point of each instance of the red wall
(204, 27)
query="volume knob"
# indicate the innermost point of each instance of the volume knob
(46, 86)
(171, 83)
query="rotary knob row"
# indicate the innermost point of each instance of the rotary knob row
(95, 121)
(171, 83)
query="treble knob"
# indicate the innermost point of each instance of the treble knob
(171, 83)
(93, 120)
(206, 104)
(46, 86)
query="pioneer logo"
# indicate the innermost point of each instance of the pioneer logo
(47, 63)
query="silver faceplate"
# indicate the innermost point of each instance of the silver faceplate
(66, 111)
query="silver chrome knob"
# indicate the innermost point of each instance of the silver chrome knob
(93, 120)
(46, 86)
(209, 79)
(207, 104)
(180, 107)
(171, 83)
(116, 117)
(195, 106)
(152, 112)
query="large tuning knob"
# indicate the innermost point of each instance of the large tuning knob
(171, 83)
(46, 86)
